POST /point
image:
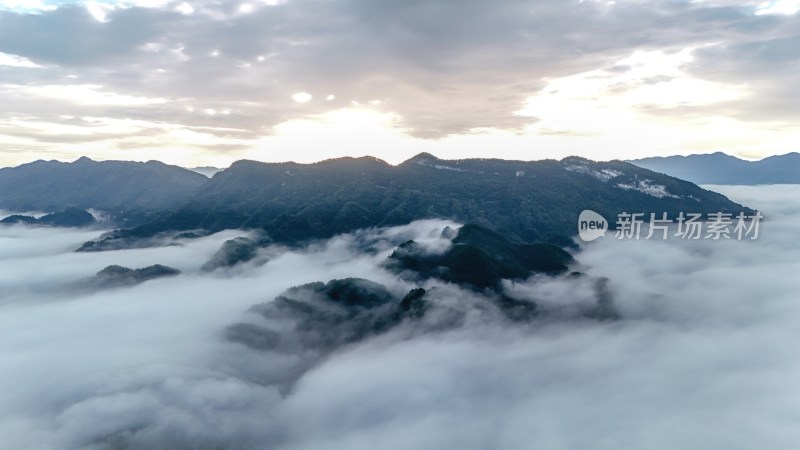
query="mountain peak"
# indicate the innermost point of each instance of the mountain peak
(371, 160)
(247, 163)
(720, 155)
(576, 160)
(791, 156)
(422, 157)
(83, 160)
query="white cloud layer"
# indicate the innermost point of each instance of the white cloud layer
(704, 357)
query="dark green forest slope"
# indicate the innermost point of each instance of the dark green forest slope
(536, 201)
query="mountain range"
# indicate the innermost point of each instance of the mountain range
(125, 190)
(720, 168)
(532, 201)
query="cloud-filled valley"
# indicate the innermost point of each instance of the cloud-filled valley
(351, 224)
(703, 355)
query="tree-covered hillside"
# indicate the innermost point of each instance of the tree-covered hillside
(535, 201)
(123, 189)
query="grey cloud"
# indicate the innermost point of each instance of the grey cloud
(766, 65)
(69, 35)
(445, 67)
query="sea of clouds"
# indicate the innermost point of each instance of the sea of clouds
(705, 356)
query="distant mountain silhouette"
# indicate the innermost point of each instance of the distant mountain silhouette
(534, 201)
(719, 168)
(206, 170)
(124, 189)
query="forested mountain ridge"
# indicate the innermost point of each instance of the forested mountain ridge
(535, 201)
(122, 189)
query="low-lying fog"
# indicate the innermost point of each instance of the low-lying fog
(706, 355)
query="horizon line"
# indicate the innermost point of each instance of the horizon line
(418, 155)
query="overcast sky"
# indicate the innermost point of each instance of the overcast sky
(212, 81)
